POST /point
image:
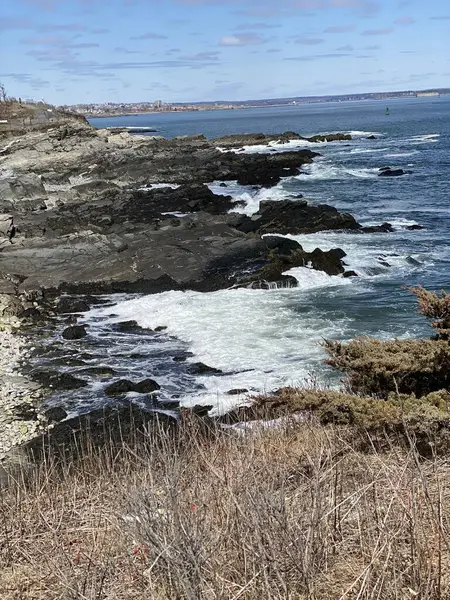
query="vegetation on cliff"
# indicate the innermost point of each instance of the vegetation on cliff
(342, 496)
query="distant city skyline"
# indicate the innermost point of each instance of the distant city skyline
(93, 51)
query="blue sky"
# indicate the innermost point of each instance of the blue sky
(73, 51)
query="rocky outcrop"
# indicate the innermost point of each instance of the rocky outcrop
(105, 229)
(23, 194)
(295, 217)
(255, 139)
(389, 172)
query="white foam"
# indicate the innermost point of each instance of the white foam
(401, 154)
(309, 279)
(275, 145)
(357, 133)
(367, 150)
(180, 215)
(256, 337)
(249, 196)
(428, 138)
(364, 254)
(157, 186)
(323, 170)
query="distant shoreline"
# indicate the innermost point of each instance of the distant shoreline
(228, 108)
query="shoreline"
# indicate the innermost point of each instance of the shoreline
(20, 420)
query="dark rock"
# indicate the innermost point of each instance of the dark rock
(115, 424)
(383, 228)
(146, 205)
(388, 172)
(74, 332)
(331, 137)
(119, 388)
(237, 392)
(290, 216)
(200, 368)
(118, 241)
(182, 357)
(129, 326)
(123, 386)
(414, 227)
(71, 320)
(32, 313)
(330, 262)
(100, 372)
(54, 414)
(250, 139)
(58, 381)
(412, 261)
(146, 386)
(160, 328)
(349, 274)
(372, 137)
(66, 305)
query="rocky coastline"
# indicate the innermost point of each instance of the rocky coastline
(83, 212)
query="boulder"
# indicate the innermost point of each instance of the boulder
(55, 414)
(123, 386)
(74, 332)
(146, 386)
(67, 305)
(58, 381)
(119, 388)
(129, 327)
(388, 172)
(383, 228)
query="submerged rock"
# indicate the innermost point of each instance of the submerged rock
(383, 228)
(389, 172)
(123, 386)
(74, 332)
(200, 368)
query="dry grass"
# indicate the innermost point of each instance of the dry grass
(296, 512)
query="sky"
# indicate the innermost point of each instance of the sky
(93, 51)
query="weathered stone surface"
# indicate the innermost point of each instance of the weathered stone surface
(102, 232)
(22, 193)
(295, 217)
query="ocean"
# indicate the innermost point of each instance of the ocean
(264, 339)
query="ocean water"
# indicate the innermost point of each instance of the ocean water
(264, 339)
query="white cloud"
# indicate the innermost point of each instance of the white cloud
(241, 39)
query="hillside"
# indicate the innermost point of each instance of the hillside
(19, 117)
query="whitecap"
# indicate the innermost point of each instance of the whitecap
(257, 338)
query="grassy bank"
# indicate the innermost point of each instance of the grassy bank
(301, 511)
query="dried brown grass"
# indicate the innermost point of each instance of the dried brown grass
(297, 512)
